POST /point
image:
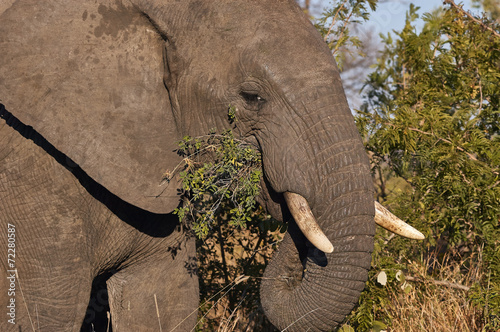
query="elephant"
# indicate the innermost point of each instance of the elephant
(96, 93)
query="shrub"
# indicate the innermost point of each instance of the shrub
(431, 124)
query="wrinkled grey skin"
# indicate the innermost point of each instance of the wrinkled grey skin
(108, 87)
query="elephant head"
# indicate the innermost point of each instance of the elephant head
(114, 85)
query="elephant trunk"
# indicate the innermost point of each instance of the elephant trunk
(306, 289)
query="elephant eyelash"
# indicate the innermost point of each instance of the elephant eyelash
(252, 99)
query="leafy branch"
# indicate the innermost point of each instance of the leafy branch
(220, 177)
(463, 12)
(334, 25)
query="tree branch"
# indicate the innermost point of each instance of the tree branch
(471, 156)
(440, 283)
(334, 20)
(452, 3)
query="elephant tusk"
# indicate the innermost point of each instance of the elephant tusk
(387, 220)
(304, 218)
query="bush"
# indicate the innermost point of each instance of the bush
(431, 124)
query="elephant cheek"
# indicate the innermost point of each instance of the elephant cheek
(271, 201)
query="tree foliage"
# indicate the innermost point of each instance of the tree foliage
(431, 120)
(335, 22)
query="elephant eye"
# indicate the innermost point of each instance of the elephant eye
(253, 100)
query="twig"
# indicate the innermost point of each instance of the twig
(452, 3)
(334, 20)
(471, 156)
(493, 185)
(157, 312)
(392, 236)
(440, 283)
(459, 148)
(344, 27)
(24, 300)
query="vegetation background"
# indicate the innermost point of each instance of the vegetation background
(429, 117)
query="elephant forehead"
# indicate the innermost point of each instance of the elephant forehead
(269, 49)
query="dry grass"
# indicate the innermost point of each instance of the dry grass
(432, 297)
(424, 307)
(230, 286)
(437, 303)
(237, 320)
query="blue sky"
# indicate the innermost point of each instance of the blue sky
(391, 15)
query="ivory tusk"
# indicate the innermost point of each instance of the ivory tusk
(387, 220)
(304, 218)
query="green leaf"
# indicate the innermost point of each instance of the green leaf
(346, 328)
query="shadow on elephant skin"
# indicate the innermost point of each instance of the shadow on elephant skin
(154, 225)
(306, 250)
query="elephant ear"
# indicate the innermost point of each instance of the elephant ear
(5, 4)
(89, 79)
